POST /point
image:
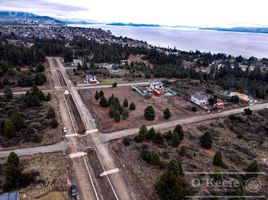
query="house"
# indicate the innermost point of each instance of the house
(90, 79)
(76, 62)
(242, 97)
(199, 100)
(156, 85)
(10, 196)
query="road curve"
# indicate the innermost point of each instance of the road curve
(163, 126)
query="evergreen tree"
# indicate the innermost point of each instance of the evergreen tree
(149, 113)
(175, 167)
(180, 131)
(103, 102)
(158, 138)
(125, 114)
(217, 160)
(175, 139)
(252, 169)
(97, 95)
(8, 93)
(101, 93)
(132, 106)
(125, 104)
(13, 159)
(167, 114)
(206, 140)
(150, 134)
(9, 129)
(54, 123)
(117, 116)
(51, 113)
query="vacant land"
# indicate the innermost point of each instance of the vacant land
(52, 180)
(178, 106)
(241, 140)
(32, 126)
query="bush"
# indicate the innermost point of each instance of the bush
(97, 97)
(175, 167)
(54, 124)
(8, 93)
(117, 116)
(149, 113)
(206, 140)
(158, 138)
(138, 139)
(168, 136)
(125, 103)
(9, 129)
(167, 114)
(194, 109)
(248, 111)
(252, 168)
(51, 113)
(126, 141)
(150, 157)
(101, 94)
(103, 102)
(180, 131)
(125, 114)
(18, 121)
(150, 134)
(170, 187)
(13, 159)
(114, 85)
(217, 160)
(132, 106)
(175, 139)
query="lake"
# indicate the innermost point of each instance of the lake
(234, 43)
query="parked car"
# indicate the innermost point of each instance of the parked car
(73, 190)
(65, 130)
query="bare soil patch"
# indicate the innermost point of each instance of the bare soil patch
(178, 106)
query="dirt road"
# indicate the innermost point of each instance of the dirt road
(168, 125)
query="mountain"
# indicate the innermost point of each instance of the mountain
(132, 24)
(240, 29)
(28, 16)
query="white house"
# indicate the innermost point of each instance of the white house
(156, 85)
(76, 62)
(91, 79)
(199, 100)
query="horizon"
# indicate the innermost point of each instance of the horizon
(172, 13)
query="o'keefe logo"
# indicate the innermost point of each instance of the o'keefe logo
(253, 185)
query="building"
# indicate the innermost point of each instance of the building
(76, 62)
(242, 97)
(199, 100)
(90, 79)
(10, 196)
(156, 85)
(220, 104)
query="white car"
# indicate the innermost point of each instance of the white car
(65, 130)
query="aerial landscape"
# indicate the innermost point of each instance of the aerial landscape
(103, 102)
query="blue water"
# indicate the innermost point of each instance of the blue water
(233, 43)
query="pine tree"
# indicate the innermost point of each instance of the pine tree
(132, 106)
(206, 140)
(13, 159)
(97, 97)
(8, 93)
(103, 102)
(167, 114)
(125, 104)
(117, 116)
(9, 129)
(175, 139)
(149, 113)
(217, 160)
(101, 93)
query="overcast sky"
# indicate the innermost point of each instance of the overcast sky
(165, 12)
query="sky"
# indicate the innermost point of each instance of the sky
(202, 13)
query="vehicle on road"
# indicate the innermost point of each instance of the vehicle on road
(65, 130)
(73, 191)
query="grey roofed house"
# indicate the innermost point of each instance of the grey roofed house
(10, 196)
(199, 99)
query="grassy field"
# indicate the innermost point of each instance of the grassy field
(110, 81)
(53, 196)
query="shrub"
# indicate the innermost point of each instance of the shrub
(180, 131)
(117, 116)
(54, 123)
(8, 93)
(217, 160)
(114, 85)
(149, 113)
(143, 131)
(175, 167)
(138, 139)
(51, 113)
(175, 139)
(248, 111)
(101, 94)
(194, 109)
(126, 141)
(125, 103)
(158, 138)
(206, 140)
(132, 106)
(150, 134)
(13, 159)
(168, 136)
(170, 187)
(167, 114)
(9, 129)
(252, 169)
(150, 157)
(125, 114)
(103, 102)
(97, 97)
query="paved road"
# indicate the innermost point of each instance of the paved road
(61, 146)
(117, 180)
(108, 86)
(163, 126)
